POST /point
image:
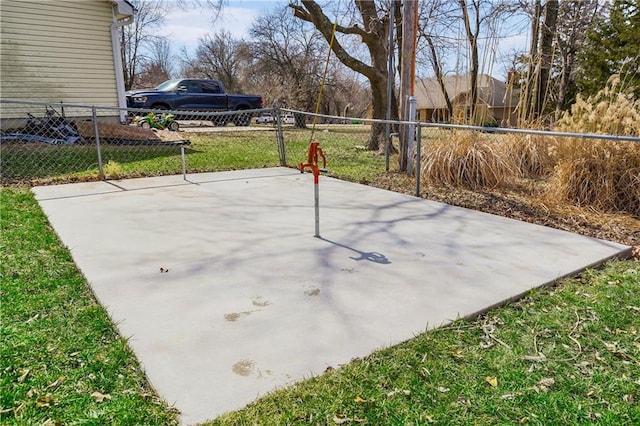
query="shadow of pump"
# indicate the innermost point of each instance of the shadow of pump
(371, 256)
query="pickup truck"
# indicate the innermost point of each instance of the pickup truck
(196, 95)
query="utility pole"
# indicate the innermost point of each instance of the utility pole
(407, 78)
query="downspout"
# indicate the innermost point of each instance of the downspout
(117, 61)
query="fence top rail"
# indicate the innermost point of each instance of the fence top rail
(363, 120)
(134, 110)
(477, 128)
(533, 132)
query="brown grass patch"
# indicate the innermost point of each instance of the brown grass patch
(466, 160)
(600, 174)
(533, 155)
(604, 175)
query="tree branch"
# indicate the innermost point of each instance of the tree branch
(312, 12)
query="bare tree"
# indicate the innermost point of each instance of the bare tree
(480, 16)
(548, 34)
(575, 18)
(159, 66)
(290, 57)
(138, 38)
(544, 29)
(372, 29)
(217, 57)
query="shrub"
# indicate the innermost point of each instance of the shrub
(600, 174)
(465, 160)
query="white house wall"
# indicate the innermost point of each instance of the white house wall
(57, 51)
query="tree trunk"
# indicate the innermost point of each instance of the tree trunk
(546, 52)
(437, 68)
(527, 98)
(473, 46)
(374, 34)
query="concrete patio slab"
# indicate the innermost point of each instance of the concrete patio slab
(226, 295)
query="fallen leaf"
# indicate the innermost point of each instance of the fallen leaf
(456, 353)
(464, 401)
(443, 389)
(340, 419)
(396, 390)
(547, 382)
(359, 399)
(535, 358)
(509, 395)
(56, 383)
(100, 397)
(45, 401)
(493, 381)
(23, 376)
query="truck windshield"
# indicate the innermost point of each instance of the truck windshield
(168, 85)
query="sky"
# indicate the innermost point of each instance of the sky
(185, 27)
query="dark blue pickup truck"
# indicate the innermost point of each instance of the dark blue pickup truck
(196, 95)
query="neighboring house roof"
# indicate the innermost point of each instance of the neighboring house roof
(492, 92)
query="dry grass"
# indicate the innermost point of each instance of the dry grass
(603, 175)
(466, 160)
(600, 174)
(610, 111)
(533, 155)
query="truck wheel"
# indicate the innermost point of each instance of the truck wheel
(242, 119)
(220, 121)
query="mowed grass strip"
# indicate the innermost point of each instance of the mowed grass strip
(561, 356)
(208, 152)
(567, 355)
(61, 359)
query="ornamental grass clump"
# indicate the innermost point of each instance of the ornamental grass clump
(600, 174)
(532, 155)
(466, 160)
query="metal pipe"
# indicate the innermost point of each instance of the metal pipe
(387, 144)
(411, 133)
(96, 133)
(279, 135)
(418, 159)
(184, 163)
(316, 199)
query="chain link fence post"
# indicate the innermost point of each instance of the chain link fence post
(96, 134)
(418, 158)
(279, 134)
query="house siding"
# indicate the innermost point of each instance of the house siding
(57, 52)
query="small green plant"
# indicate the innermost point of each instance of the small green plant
(112, 170)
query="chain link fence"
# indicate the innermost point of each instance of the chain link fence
(53, 142)
(42, 143)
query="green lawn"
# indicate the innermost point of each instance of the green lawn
(564, 355)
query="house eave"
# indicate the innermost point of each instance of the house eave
(123, 9)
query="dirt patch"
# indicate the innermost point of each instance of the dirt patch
(114, 131)
(243, 367)
(523, 201)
